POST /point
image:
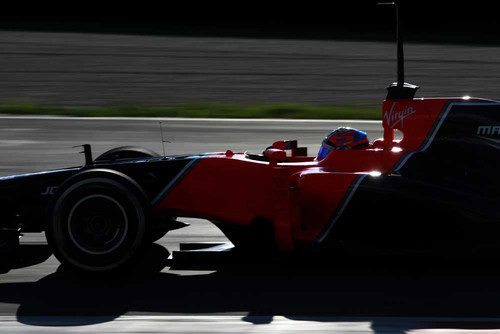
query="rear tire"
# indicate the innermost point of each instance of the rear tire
(98, 223)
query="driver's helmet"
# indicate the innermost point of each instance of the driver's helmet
(343, 139)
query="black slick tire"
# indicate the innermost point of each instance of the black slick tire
(98, 222)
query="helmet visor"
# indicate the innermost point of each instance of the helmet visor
(323, 151)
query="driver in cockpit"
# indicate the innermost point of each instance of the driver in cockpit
(343, 139)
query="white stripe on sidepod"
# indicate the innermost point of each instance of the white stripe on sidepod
(171, 185)
(400, 164)
(427, 142)
(338, 212)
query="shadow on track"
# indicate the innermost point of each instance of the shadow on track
(26, 256)
(366, 289)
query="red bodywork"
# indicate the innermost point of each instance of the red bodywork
(300, 194)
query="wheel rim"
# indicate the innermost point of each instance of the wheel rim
(97, 224)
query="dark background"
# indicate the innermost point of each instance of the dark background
(423, 21)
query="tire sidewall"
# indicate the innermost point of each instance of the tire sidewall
(121, 191)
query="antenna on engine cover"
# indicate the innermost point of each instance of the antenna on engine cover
(163, 141)
(399, 89)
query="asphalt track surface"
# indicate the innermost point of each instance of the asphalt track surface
(99, 69)
(345, 294)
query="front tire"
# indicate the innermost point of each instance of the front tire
(98, 224)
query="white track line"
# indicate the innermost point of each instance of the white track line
(184, 119)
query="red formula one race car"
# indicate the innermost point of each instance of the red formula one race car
(438, 183)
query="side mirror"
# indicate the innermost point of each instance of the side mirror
(275, 155)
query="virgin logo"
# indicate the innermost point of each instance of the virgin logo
(393, 117)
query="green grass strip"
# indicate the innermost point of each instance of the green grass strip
(200, 110)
